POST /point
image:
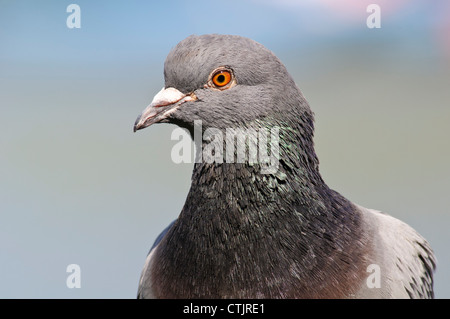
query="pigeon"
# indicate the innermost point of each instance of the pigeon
(249, 229)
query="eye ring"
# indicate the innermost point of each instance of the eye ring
(221, 78)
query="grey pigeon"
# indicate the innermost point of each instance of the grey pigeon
(245, 233)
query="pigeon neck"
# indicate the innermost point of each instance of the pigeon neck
(284, 173)
(240, 228)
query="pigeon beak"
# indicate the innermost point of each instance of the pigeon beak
(164, 103)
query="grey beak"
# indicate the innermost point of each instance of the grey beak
(164, 103)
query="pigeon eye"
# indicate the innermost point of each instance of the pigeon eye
(221, 78)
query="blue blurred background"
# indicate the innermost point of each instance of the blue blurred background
(77, 186)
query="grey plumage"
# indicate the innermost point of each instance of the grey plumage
(244, 234)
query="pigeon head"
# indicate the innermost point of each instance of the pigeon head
(225, 81)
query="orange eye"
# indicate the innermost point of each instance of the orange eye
(221, 78)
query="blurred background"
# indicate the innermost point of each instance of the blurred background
(78, 187)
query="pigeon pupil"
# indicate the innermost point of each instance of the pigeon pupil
(221, 78)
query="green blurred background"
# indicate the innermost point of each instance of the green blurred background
(77, 186)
